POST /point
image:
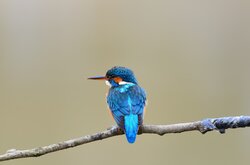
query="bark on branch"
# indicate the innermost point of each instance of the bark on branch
(202, 126)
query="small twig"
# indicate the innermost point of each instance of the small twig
(203, 126)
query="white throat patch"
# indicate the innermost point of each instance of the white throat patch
(107, 83)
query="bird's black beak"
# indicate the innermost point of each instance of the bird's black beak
(98, 78)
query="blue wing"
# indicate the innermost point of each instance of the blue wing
(124, 100)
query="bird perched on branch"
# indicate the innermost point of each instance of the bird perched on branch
(126, 99)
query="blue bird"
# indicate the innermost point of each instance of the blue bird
(126, 100)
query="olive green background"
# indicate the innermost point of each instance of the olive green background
(192, 58)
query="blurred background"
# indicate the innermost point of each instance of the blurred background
(192, 58)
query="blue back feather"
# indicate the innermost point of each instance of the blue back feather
(126, 103)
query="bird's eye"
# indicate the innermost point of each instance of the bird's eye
(110, 76)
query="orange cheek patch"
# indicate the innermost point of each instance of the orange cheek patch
(117, 79)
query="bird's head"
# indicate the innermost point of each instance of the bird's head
(117, 76)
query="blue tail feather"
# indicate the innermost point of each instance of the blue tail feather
(131, 127)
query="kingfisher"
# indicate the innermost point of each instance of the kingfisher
(126, 100)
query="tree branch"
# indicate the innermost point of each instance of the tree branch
(203, 126)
